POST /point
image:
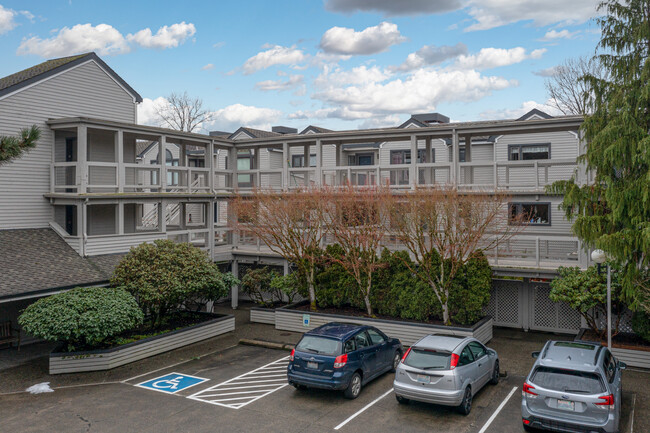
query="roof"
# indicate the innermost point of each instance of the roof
(314, 128)
(254, 133)
(441, 342)
(337, 330)
(32, 75)
(143, 146)
(578, 355)
(535, 112)
(38, 261)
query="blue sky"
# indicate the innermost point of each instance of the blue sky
(339, 64)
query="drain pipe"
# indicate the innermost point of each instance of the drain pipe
(84, 235)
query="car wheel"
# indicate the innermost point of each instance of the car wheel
(466, 405)
(402, 400)
(354, 388)
(495, 374)
(396, 359)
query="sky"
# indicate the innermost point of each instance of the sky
(338, 64)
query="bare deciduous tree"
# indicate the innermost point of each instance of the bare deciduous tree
(289, 223)
(568, 91)
(357, 219)
(443, 229)
(183, 113)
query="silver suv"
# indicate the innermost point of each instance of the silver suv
(573, 387)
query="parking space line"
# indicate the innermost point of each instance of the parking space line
(363, 409)
(246, 388)
(496, 412)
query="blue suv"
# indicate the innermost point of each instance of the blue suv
(342, 356)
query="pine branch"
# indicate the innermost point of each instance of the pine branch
(13, 147)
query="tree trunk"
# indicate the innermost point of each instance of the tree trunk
(445, 313)
(366, 297)
(312, 291)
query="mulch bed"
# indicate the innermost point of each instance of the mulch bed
(349, 310)
(620, 341)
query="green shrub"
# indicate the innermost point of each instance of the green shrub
(257, 285)
(641, 324)
(82, 317)
(471, 290)
(287, 285)
(336, 287)
(586, 292)
(165, 275)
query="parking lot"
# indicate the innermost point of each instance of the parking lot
(244, 389)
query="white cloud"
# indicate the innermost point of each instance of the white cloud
(489, 58)
(489, 14)
(207, 67)
(147, 114)
(380, 122)
(515, 113)
(7, 22)
(553, 35)
(276, 55)
(392, 7)
(431, 55)
(421, 91)
(336, 77)
(166, 36)
(548, 72)
(372, 40)
(233, 116)
(293, 81)
(103, 39)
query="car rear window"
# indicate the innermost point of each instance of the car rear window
(567, 380)
(428, 359)
(320, 345)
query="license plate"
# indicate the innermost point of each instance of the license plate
(423, 378)
(313, 365)
(565, 405)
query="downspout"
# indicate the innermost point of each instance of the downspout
(84, 235)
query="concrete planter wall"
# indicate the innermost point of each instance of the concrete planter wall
(262, 315)
(289, 319)
(633, 358)
(74, 362)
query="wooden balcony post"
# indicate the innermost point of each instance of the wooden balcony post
(234, 291)
(119, 147)
(82, 158)
(162, 160)
(319, 163)
(120, 218)
(413, 169)
(454, 158)
(285, 166)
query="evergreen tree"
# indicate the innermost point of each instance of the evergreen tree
(613, 213)
(13, 147)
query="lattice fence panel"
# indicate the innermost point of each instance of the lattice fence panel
(505, 303)
(551, 316)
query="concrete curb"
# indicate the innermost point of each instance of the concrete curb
(266, 344)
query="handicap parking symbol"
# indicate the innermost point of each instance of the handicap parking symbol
(172, 383)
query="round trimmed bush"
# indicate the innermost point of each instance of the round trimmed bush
(82, 317)
(641, 324)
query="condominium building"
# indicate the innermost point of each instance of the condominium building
(98, 183)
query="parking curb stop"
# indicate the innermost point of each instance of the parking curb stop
(266, 344)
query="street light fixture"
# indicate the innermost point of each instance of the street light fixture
(600, 257)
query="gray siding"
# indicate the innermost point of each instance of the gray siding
(83, 91)
(101, 219)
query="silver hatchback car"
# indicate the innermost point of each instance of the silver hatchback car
(445, 370)
(574, 386)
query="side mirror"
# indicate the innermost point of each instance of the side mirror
(622, 365)
(535, 354)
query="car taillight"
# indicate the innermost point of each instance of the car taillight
(454, 361)
(293, 352)
(340, 360)
(406, 354)
(525, 421)
(608, 401)
(527, 389)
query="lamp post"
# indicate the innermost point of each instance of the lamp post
(600, 257)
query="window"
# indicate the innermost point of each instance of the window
(563, 380)
(350, 346)
(461, 154)
(477, 350)
(361, 340)
(465, 357)
(361, 159)
(299, 160)
(609, 365)
(523, 152)
(428, 359)
(404, 156)
(532, 213)
(376, 337)
(322, 345)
